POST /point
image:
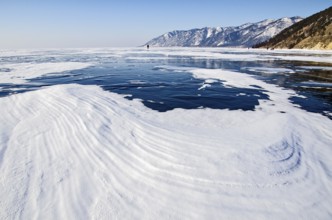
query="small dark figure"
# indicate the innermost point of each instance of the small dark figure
(147, 46)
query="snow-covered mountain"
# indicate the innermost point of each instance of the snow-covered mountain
(245, 35)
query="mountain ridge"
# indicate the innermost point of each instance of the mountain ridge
(245, 35)
(313, 32)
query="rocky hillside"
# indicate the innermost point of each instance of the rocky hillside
(314, 32)
(241, 36)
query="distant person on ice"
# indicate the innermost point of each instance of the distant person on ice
(147, 46)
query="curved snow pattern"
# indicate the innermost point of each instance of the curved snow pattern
(78, 152)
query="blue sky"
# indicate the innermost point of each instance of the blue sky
(125, 23)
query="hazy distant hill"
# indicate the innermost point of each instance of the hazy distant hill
(314, 32)
(241, 36)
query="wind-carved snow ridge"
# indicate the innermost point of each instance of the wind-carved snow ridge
(78, 152)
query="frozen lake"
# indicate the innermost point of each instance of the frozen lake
(165, 133)
(162, 79)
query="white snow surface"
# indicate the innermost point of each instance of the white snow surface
(78, 152)
(269, 70)
(316, 68)
(19, 73)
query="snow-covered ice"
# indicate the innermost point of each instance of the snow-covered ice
(316, 68)
(79, 152)
(267, 70)
(19, 73)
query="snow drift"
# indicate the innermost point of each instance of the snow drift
(78, 152)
